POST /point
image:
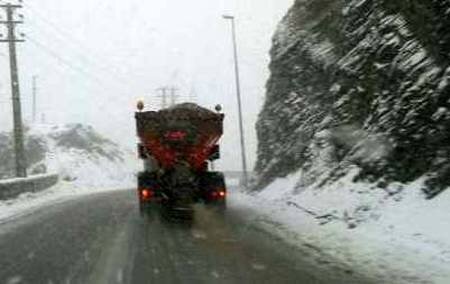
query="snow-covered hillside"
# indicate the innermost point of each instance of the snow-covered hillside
(359, 84)
(354, 152)
(78, 153)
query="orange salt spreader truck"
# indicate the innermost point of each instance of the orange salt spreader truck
(178, 145)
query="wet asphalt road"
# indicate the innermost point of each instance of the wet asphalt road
(102, 238)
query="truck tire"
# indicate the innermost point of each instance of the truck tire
(214, 182)
(145, 180)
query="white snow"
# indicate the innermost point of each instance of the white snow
(392, 234)
(86, 169)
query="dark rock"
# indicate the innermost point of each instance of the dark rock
(367, 82)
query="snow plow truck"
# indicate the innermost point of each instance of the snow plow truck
(178, 145)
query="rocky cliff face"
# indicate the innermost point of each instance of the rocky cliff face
(359, 84)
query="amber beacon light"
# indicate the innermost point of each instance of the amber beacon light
(140, 105)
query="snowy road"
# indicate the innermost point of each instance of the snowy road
(102, 239)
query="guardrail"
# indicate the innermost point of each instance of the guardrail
(11, 188)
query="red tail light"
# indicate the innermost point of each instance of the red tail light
(146, 194)
(219, 194)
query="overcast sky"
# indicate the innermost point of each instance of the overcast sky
(95, 58)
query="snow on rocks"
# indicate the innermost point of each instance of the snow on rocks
(82, 156)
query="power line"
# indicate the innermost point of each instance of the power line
(79, 66)
(58, 57)
(69, 38)
(80, 71)
(66, 62)
(167, 93)
(193, 95)
(163, 96)
(84, 58)
(173, 95)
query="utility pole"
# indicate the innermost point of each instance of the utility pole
(163, 96)
(34, 98)
(193, 95)
(165, 92)
(173, 96)
(21, 170)
(238, 93)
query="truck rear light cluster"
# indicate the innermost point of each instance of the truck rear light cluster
(219, 194)
(147, 194)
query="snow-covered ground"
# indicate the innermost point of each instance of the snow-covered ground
(392, 234)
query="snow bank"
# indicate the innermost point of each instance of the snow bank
(27, 203)
(392, 234)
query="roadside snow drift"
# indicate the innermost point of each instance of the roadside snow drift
(393, 234)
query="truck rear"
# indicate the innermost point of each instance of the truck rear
(178, 146)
